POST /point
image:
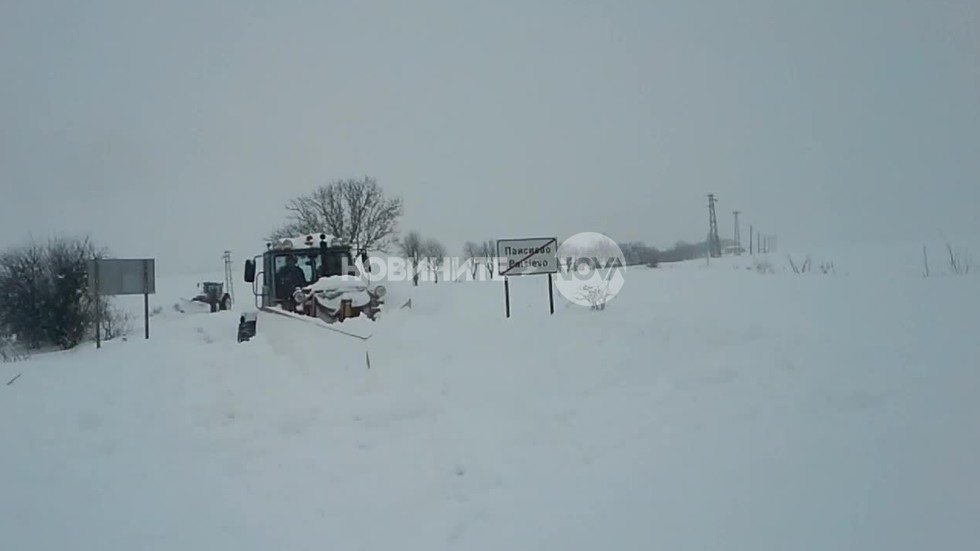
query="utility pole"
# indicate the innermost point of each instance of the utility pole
(738, 236)
(714, 244)
(228, 277)
(750, 238)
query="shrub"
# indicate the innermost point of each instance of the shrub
(44, 298)
(595, 295)
(763, 266)
(9, 349)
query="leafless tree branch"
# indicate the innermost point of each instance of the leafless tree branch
(355, 210)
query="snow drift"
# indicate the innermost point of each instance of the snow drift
(708, 407)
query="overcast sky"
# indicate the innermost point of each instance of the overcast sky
(176, 129)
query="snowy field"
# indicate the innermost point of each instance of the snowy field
(710, 406)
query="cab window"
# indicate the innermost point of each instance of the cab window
(306, 263)
(336, 261)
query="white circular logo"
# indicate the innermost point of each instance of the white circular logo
(591, 269)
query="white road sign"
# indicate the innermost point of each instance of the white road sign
(531, 256)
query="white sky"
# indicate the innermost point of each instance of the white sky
(178, 129)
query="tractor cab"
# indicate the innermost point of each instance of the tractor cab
(297, 262)
(212, 290)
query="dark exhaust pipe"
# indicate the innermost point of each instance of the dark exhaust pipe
(324, 255)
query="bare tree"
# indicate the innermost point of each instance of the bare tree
(471, 251)
(488, 250)
(355, 210)
(435, 256)
(412, 248)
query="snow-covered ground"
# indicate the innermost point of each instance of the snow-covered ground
(710, 406)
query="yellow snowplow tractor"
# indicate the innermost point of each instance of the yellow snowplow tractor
(316, 276)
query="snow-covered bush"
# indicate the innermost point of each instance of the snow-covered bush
(595, 295)
(9, 350)
(115, 322)
(959, 262)
(802, 269)
(763, 266)
(807, 266)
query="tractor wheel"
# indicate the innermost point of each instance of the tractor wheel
(225, 303)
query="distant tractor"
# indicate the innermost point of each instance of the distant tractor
(212, 296)
(315, 278)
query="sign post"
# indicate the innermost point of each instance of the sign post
(146, 299)
(121, 276)
(529, 256)
(551, 295)
(98, 307)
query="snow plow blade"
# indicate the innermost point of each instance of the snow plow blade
(355, 328)
(185, 306)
